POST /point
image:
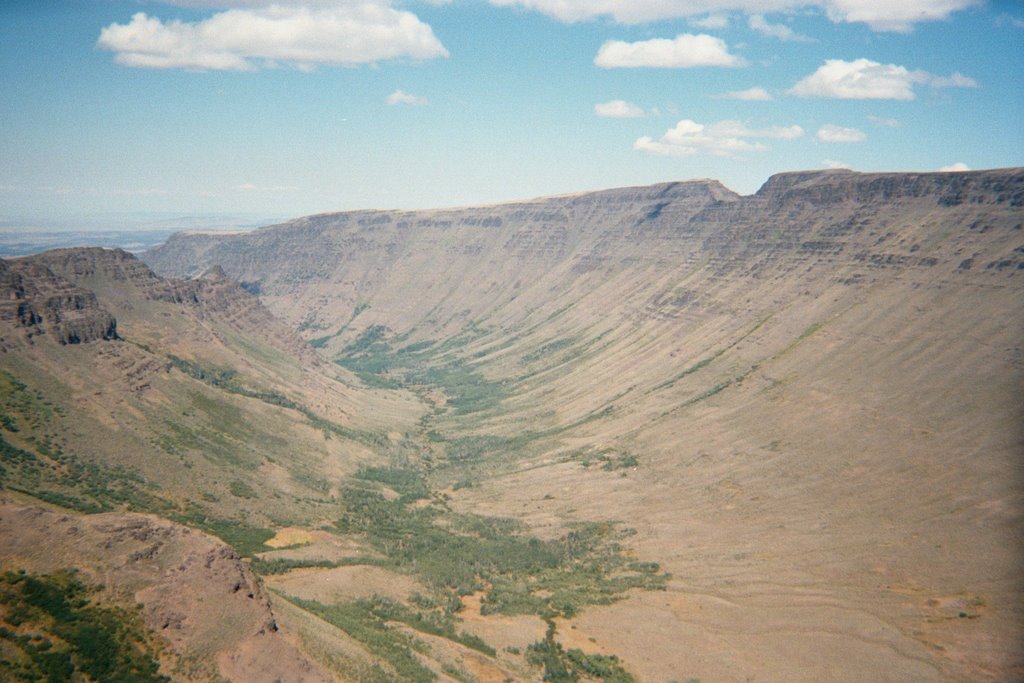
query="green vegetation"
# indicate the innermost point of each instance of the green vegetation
(609, 459)
(66, 480)
(561, 666)
(405, 481)
(458, 555)
(225, 379)
(378, 364)
(246, 539)
(370, 622)
(358, 620)
(547, 350)
(242, 490)
(429, 622)
(280, 565)
(321, 342)
(51, 631)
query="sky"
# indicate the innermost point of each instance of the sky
(276, 109)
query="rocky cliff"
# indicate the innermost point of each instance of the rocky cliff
(35, 301)
(315, 271)
(197, 596)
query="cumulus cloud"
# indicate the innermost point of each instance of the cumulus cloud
(955, 168)
(749, 95)
(758, 23)
(832, 163)
(725, 138)
(863, 79)
(686, 50)
(402, 97)
(880, 15)
(618, 109)
(893, 15)
(247, 38)
(832, 133)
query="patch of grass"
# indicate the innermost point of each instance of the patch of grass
(430, 622)
(405, 481)
(66, 480)
(358, 620)
(561, 666)
(378, 364)
(247, 540)
(462, 554)
(282, 565)
(242, 490)
(50, 630)
(547, 350)
(226, 380)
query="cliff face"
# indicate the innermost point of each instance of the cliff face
(74, 296)
(315, 271)
(196, 594)
(35, 301)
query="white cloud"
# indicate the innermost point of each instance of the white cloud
(880, 15)
(725, 138)
(402, 97)
(712, 22)
(687, 50)
(758, 23)
(893, 15)
(884, 122)
(832, 163)
(618, 109)
(244, 39)
(955, 168)
(863, 79)
(833, 133)
(749, 95)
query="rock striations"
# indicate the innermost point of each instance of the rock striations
(850, 222)
(36, 301)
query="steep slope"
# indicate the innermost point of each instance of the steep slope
(807, 401)
(212, 615)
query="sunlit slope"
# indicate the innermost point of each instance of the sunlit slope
(807, 401)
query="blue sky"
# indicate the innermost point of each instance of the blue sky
(278, 109)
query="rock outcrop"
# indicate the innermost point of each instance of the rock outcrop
(197, 595)
(36, 301)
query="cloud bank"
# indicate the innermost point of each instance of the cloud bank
(248, 38)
